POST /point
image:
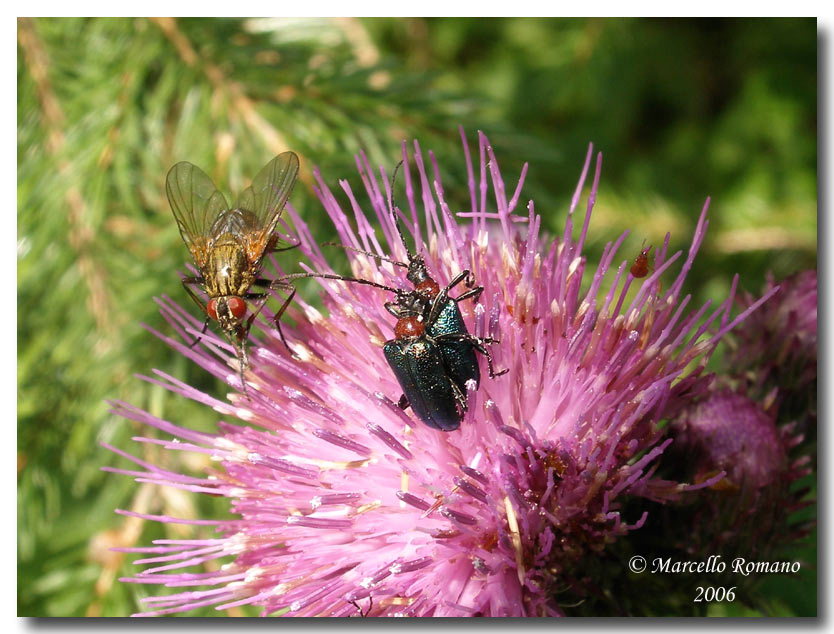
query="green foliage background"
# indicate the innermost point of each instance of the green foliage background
(681, 109)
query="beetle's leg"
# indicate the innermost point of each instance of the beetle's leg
(460, 397)
(457, 279)
(394, 309)
(478, 344)
(485, 351)
(469, 282)
(187, 283)
(474, 293)
(403, 402)
(440, 300)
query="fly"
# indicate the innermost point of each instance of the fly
(228, 244)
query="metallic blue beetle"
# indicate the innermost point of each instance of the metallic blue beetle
(432, 353)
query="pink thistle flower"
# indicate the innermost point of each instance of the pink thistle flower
(750, 512)
(754, 426)
(344, 500)
(775, 353)
(729, 432)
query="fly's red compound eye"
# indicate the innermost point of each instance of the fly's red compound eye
(429, 288)
(211, 309)
(409, 327)
(237, 306)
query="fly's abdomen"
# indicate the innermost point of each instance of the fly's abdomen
(420, 369)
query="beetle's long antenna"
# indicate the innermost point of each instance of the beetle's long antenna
(368, 253)
(394, 213)
(332, 276)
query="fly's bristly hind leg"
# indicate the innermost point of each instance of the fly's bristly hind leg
(280, 313)
(188, 283)
(272, 285)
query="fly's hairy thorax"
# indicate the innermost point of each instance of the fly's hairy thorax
(227, 270)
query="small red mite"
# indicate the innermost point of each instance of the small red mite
(640, 268)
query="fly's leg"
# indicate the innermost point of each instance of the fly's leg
(243, 362)
(280, 313)
(272, 284)
(277, 320)
(202, 332)
(479, 343)
(188, 283)
(275, 249)
(243, 334)
(272, 245)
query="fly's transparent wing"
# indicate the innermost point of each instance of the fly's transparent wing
(270, 190)
(196, 204)
(265, 200)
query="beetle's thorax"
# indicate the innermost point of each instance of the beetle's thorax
(409, 327)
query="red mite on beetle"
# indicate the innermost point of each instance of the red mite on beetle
(640, 268)
(228, 245)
